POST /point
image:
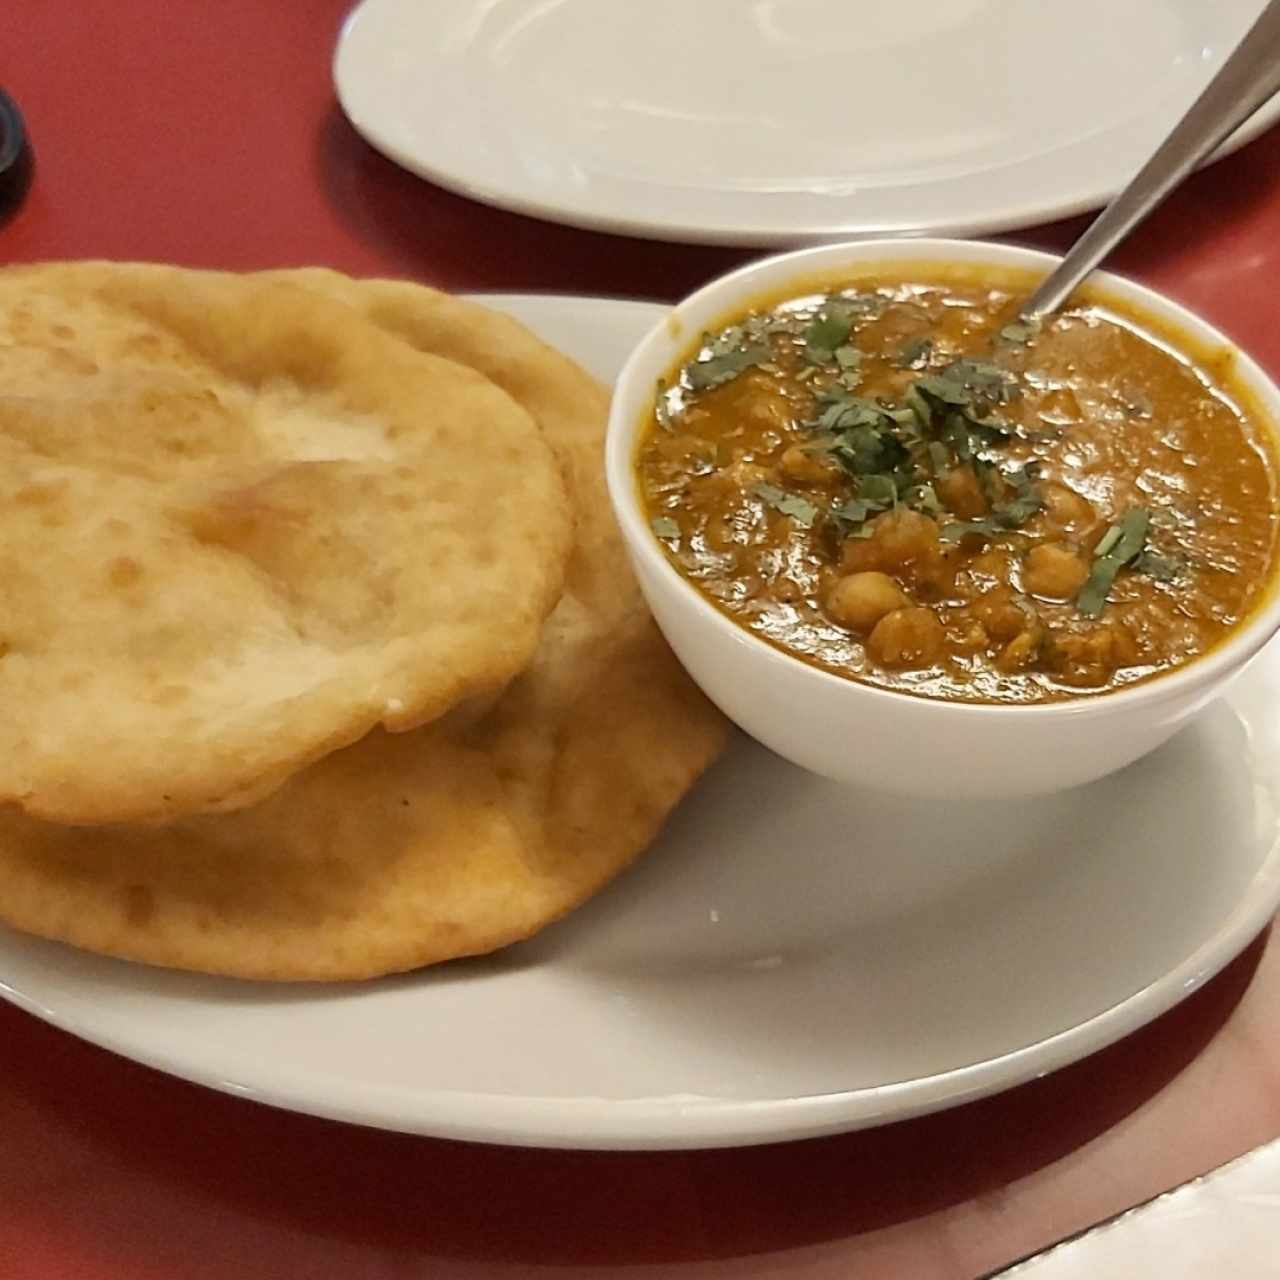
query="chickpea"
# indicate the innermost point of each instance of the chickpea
(1089, 658)
(907, 638)
(1054, 570)
(860, 600)
(993, 563)
(960, 492)
(727, 484)
(1065, 509)
(935, 577)
(1124, 645)
(1000, 613)
(900, 539)
(806, 467)
(967, 635)
(861, 555)
(906, 537)
(1020, 652)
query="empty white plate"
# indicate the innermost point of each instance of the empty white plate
(770, 122)
(792, 958)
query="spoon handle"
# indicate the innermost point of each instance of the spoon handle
(1242, 84)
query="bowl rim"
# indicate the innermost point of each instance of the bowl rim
(765, 276)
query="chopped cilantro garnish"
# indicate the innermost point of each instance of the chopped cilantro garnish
(970, 384)
(920, 406)
(983, 376)
(944, 390)
(758, 327)
(828, 331)
(875, 494)
(880, 490)
(988, 527)
(915, 355)
(801, 510)
(891, 451)
(969, 436)
(923, 498)
(1161, 568)
(866, 450)
(849, 358)
(842, 411)
(988, 479)
(717, 369)
(1107, 541)
(851, 513)
(1122, 544)
(1006, 517)
(1016, 511)
(1020, 331)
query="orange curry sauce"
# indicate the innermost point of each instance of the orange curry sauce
(894, 480)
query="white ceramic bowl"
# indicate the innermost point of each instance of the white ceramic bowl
(853, 732)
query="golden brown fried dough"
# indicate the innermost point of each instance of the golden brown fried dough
(240, 526)
(453, 840)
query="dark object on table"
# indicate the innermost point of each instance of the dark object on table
(15, 156)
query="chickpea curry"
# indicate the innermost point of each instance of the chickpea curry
(900, 482)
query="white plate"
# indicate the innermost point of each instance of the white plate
(794, 958)
(772, 122)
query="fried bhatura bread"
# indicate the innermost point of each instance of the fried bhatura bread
(405, 850)
(240, 526)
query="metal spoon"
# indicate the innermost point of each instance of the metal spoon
(1243, 83)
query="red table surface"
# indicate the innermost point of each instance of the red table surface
(207, 134)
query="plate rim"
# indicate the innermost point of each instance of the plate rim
(1031, 213)
(676, 1122)
(692, 1122)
